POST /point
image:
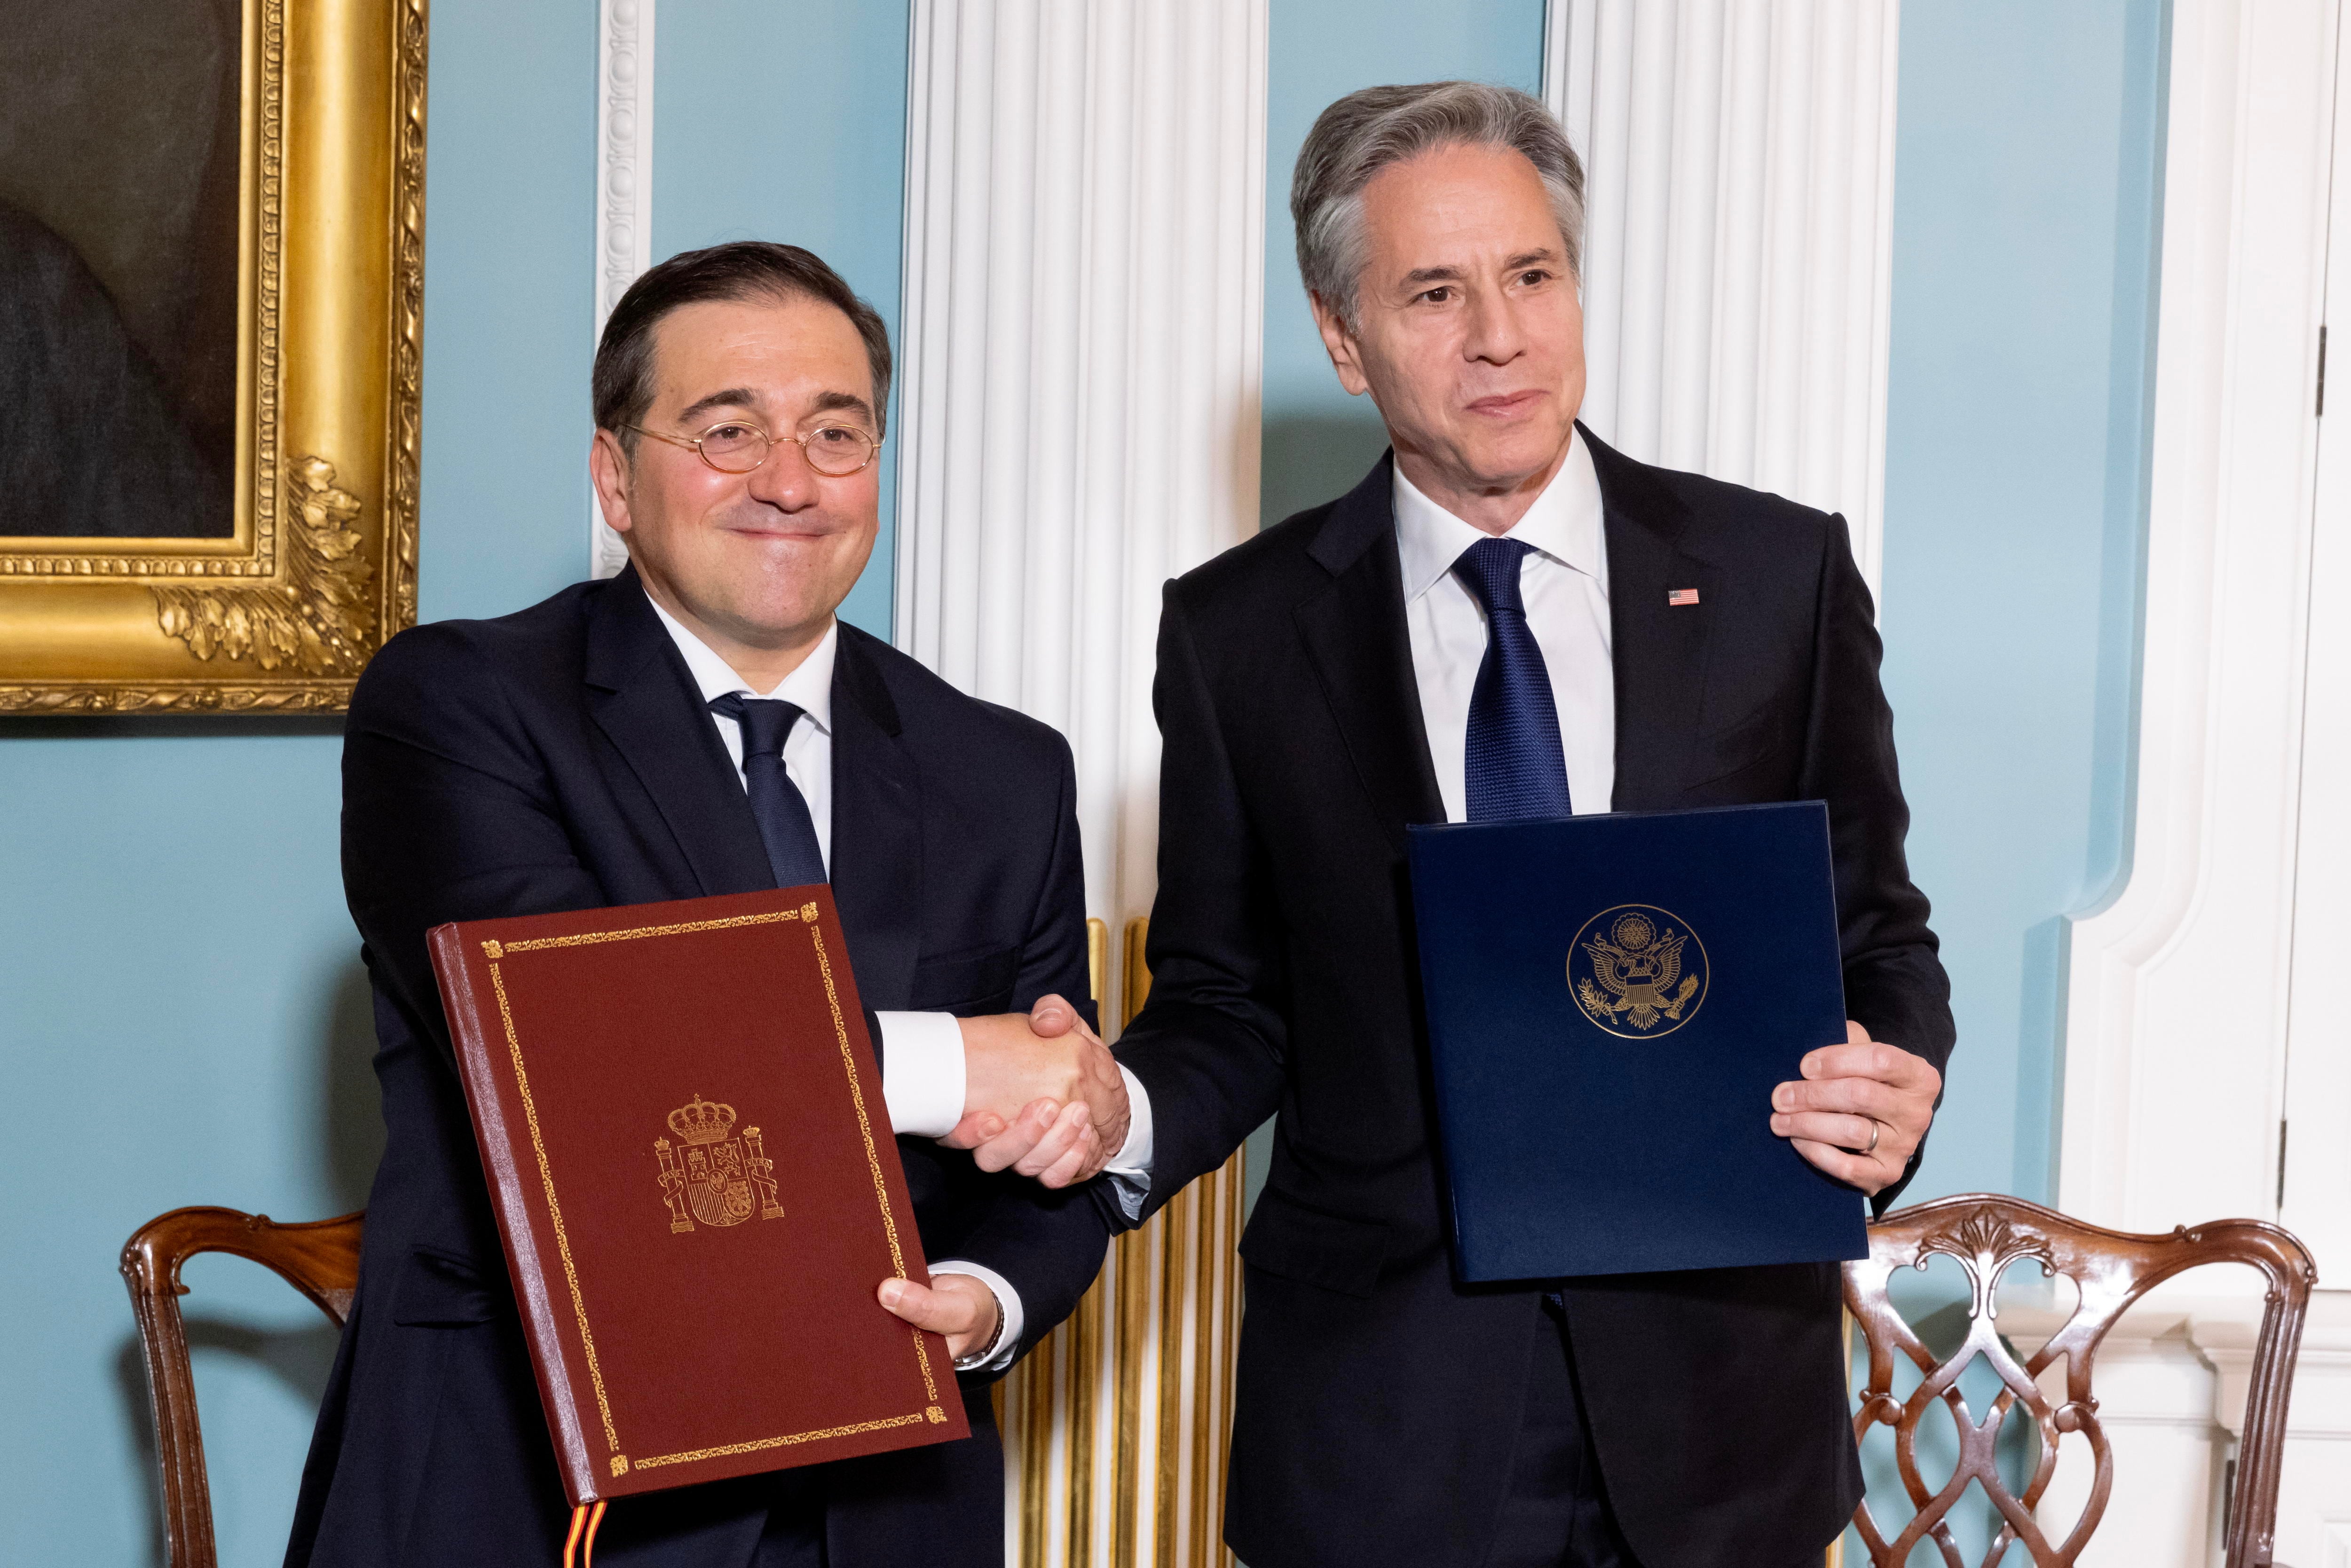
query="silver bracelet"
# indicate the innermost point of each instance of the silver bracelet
(973, 1361)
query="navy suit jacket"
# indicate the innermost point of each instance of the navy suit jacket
(1379, 1399)
(562, 758)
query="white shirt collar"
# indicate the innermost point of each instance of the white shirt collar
(1563, 523)
(809, 687)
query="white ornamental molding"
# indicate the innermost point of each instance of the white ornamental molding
(624, 192)
(2177, 990)
(1082, 351)
(1738, 266)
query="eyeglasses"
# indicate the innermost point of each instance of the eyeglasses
(732, 446)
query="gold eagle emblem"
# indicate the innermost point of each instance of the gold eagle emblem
(1634, 967)
(716, 1179)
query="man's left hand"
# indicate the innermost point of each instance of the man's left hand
(955, 1305)
(1860, 1111)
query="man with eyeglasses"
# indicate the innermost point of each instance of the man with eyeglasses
(704, 724)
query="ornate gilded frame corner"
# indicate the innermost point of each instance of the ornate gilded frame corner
(280, 616)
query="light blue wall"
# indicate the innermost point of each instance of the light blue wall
(510, 305)
(1318, 441)
(2027, 180)
(180, 1025)
(786, 119)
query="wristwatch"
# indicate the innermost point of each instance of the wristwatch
(974, 1359)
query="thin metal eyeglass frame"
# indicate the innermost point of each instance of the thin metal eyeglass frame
(799, 441)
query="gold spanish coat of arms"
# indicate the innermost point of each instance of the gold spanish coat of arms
(716, 1178)
(1637, 972)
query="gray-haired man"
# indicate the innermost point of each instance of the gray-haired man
(1700, 645)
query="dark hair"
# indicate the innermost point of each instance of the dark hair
(620, 386)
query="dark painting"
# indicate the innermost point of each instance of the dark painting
(119, 168)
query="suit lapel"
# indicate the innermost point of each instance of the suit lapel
(1658, 649)
(1355, 637)
(877, 828)
(646, 703)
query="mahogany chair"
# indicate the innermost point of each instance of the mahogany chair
(1987, 1234)
(322, 1260)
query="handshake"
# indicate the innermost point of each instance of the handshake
(1041, 1095)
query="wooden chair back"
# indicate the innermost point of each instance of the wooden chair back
(322, 1260)
(1987, 1234)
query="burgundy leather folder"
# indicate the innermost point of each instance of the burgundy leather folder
(695, 1179)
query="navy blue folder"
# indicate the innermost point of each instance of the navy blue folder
(1611, 1001)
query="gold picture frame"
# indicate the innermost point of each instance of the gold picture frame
(280, 615)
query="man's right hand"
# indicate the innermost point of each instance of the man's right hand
(1041, 1095)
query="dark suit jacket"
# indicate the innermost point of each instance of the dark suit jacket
(1379, 1398)
(561, 758)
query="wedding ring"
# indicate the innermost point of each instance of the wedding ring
(1877, 1128)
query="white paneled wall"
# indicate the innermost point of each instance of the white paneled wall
(1739, 187)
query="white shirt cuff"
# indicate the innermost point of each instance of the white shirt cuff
(1130, 1169)
(921, 1076)
(1007, 1301)
(1134, 1156)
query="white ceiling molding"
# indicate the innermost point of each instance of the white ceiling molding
(1738, 239)
(2176, 989)
(624, 194)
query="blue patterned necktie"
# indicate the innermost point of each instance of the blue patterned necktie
(1514, 766)
(782, 813)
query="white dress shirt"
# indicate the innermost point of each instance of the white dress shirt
(1564, 586)
(922, 1057)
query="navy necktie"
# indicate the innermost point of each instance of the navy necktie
(785, 825)
(1514, 764)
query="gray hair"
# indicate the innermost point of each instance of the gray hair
(1365, 131)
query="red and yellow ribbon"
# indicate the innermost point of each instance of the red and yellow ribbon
(582, 1539)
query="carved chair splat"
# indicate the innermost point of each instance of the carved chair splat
(1986, 1235)
(322, 1260)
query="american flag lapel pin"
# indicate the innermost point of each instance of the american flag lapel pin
(1680, 596)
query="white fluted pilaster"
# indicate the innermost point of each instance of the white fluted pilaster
(1085, 200)
(624, 192)
(1084, 298)
(1739, 180)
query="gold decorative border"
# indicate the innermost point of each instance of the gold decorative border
(866, 1131)
(408, 322)
(175, 697)
(496, 952)
(281, 616)
(933, 1415)
(595, 938)
(554, 1207)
